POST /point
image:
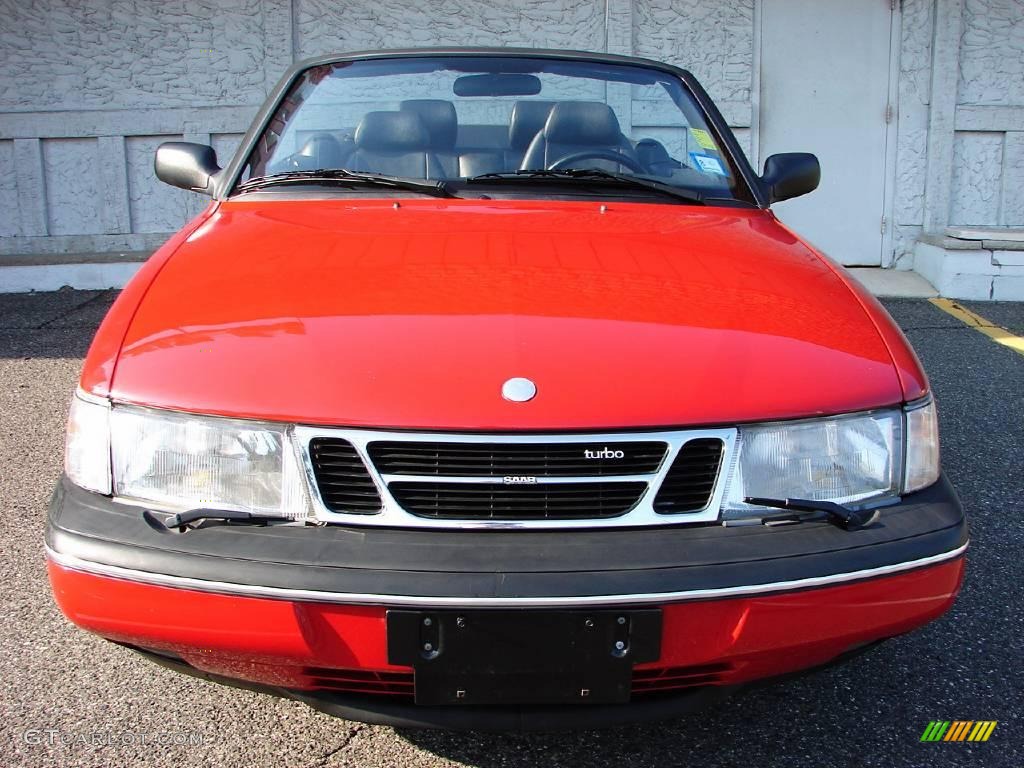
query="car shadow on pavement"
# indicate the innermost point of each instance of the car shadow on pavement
(785, 718)
(686, 739)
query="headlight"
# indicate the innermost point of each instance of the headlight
(177, 461)
(859, 459)
(846, 459)
(180, 461)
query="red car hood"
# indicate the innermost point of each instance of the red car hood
(363, 314)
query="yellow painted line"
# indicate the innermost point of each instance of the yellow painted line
(980, 324)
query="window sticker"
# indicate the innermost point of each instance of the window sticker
(703, 139)
(708, 164)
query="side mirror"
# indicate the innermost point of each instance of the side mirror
(186, 165)
(791, 174)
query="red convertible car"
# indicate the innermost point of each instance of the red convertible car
(488, 392)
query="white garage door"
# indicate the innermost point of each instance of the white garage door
(825, 89)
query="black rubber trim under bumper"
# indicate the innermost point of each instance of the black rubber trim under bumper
(378, 710)
(516, 565)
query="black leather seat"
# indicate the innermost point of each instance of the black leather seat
(655, 158)
(579, 126)
(442, 123)
(526, 121)
(321, 150)
(394, 143)
(475, 163)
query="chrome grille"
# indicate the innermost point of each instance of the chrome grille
(403, 479)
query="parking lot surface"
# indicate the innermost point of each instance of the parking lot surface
(69, 698)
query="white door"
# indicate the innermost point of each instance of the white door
(825, 89)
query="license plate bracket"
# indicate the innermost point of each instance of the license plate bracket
(495, 657)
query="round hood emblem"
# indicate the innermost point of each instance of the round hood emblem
(518, 390)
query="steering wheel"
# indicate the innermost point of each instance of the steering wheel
(597, 154)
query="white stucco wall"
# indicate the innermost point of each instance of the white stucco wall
(986, 169)
(988, 165)
(914, 94)
(98, 84)
(88, 88)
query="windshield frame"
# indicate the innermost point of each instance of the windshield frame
(748, 185)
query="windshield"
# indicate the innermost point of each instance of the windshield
(459, 118)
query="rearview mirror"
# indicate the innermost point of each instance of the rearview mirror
(791, 174)
(186, 165)
(497, 84)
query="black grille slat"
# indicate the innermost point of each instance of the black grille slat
(486, 501)
(500, 459)
(344, 482)
(690, 481)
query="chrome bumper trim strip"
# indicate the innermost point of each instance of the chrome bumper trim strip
(345, 598)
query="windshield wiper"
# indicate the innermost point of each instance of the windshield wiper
(592, 174)
(181, 521)
(844, 517)
(343, 177)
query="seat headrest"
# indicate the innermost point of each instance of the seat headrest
(583, 122)
(391, 132)
(650, 151)
(528, 118)
(438, 116)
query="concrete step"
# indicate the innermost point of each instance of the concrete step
(25, 273)
(894, 284)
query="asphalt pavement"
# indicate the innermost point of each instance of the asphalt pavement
(68, 698)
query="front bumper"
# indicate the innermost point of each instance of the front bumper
(300, 611)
